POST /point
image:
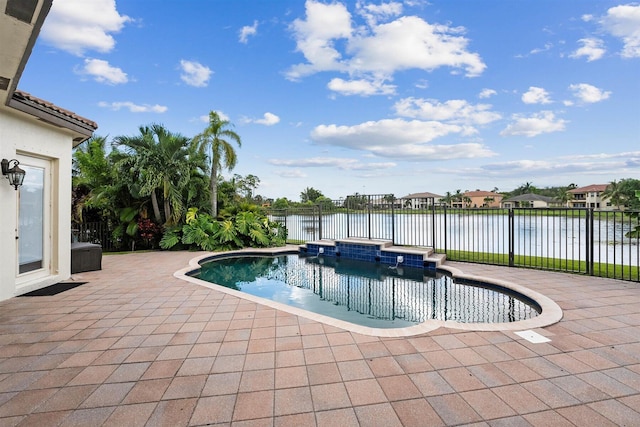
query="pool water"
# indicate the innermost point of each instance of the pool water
(365, 293)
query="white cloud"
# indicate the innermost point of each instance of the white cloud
(422, 84)
(315, 37)
(205, 118)
(331, 162)
(624, 22)
(452, 111)
(543, 122)
(410, 42)
(537, 50)
(133, 108)
(593, 165)
(373, 13)
(194, 73)
(360, 87)
(102, 72)
(248, 30)
(77, 26)
(222, 116)
(623, 155)
(399, 139)
(536, 95)
(592, 49)
(373, 52)
(486, 93)
(269, 119)
(588, 94)
(291, 173)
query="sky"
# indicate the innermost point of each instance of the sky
(363, 97)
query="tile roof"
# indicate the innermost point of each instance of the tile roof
(530, 197)
(482, 194)
(590, 188)
(424, 195)
(24, 96)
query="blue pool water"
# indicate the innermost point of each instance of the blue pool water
(366, 293)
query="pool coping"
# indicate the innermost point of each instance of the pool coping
(551, 312)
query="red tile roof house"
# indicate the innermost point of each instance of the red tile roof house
(590, 197)
(35, 219)
(483, 199)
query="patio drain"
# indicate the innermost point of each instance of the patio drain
(533, 337)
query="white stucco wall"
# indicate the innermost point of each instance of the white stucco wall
(21, 135)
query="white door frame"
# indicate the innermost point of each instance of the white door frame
(38, 173)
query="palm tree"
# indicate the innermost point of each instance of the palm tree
(614, 194)
(457, 197)
(525, 188)
(564, 196)
(389, 199)
(99, 187)
(447, 199)
(310, 194)
(217, 138)
(161, 161)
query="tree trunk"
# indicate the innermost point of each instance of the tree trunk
(214, 191)
(167, 212)
(156, 208)
(167, 205)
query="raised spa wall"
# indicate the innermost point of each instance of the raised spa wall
(379, 251)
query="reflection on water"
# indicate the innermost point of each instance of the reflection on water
(365, 293)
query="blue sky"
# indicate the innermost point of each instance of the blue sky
(368, 97)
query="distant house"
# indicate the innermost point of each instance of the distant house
(530, 201)
(590, 197)
(421, 200)
(480, 199)
(35, 218)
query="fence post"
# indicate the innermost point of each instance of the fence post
(369, 216)
(433, 224)
(393, 221)
(346, 202)
(319, 222)
(590, 242)
(446, 230)
(286, 225)
(511, 238)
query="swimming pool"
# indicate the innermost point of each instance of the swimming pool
(365, 293)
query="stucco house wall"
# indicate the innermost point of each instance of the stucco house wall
(478, 199)
(22, 136)
(41, 137)
(590, 197)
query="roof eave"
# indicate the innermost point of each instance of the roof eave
(83, 130)
(42, 15)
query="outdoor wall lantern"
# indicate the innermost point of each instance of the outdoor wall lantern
(14, 174)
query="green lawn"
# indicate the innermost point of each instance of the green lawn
(572, 266)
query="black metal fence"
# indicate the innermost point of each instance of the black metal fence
(94, 232)
(600, 243)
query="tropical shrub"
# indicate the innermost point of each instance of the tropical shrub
(149, 232)
(245, 229)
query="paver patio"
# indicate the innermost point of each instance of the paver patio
(135, 346)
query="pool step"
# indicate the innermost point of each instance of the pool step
(382, 251)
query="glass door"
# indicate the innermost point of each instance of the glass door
(34, 237)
